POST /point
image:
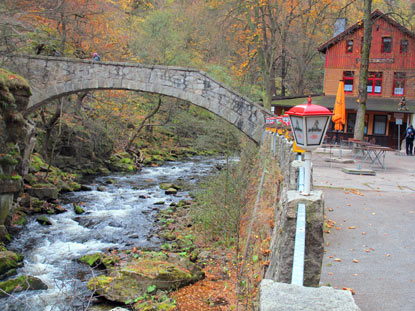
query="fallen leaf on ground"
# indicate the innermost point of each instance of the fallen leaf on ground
(352, 227)
(388, 255)
(330, 209)
(337, 259)
(330, 273)
(350, 290)
(355, 260)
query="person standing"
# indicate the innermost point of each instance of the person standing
(409, 139)
(96, 57)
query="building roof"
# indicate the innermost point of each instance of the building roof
(375, 15)
(372, 104)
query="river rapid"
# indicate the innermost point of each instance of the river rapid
(119, 217)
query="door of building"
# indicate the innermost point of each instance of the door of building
(393, 134)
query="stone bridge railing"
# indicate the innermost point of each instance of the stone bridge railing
(54, 77)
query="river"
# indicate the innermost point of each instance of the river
(121, 216)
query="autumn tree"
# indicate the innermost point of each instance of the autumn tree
(364, 70)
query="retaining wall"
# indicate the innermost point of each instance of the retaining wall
(274, 294)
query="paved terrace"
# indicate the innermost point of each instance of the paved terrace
(371, 244)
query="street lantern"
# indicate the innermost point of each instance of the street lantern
(309, 124)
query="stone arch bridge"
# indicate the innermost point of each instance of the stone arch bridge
(54, 77)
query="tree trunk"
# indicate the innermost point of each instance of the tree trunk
(130, 143)
(283, 66)
(364, 70)
(28, 148)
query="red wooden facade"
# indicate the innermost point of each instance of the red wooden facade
(392, 59)
(391, 73)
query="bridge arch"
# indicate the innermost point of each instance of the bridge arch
(54, 77)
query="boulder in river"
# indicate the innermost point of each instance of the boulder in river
(101, 188)
(165, 186)
(43, 220)
(9, 261)
(99, 260)
(22, 283)
(132, 278)
(171, 191)
(78, 209)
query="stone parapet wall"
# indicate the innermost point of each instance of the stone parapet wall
(275, 292)
(283, 236)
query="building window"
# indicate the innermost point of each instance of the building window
(349, 46)
(351, 120)
(379, 124)
(386, 44)
(399, 83)
(348, 77)
(374, 83)
(404, 46)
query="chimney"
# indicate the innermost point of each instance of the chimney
(339, 26)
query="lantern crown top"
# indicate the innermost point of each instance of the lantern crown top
(309, 109)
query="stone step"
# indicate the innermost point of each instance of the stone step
(276, 296)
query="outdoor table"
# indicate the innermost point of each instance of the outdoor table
(376, 154)
(358, 145)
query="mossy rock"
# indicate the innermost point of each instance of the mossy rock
(22, 283)
(166, 304)
(8, 160)
(11, 87)
(78, 209)
(165, 186)
(44, 191)
(132, 278)
(75, 186)
(121, 163)
(9, 260)
(157, 158)
(19, 219)
(37, 164)
(10, 183)
(44, 221)
(99, 260)
(171, 191)
(184, 204)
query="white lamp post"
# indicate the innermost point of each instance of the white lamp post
(309, 124)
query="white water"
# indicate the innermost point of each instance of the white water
(114, 218)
